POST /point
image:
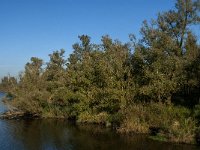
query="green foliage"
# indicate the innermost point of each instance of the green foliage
(164, 50)
(137, 85)
(170, 122)
(197, 113)
(7, 83)
(86, 117)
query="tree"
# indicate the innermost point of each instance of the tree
(8, 83)
(28, 93)
(159, 57)
(191, 88)
(55, 80)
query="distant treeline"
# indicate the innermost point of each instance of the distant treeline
(144, 85)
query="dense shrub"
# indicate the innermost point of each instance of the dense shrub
(167, 121)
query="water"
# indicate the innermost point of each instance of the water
(52, 134)
(2, 107)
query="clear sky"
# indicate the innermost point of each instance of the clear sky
(38, 27)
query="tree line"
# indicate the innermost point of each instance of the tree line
(151, 82)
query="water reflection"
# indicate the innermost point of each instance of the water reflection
(61, 135)
(51, 134)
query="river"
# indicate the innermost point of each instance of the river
(53, 134)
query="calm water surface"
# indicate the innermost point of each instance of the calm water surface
(51, 134)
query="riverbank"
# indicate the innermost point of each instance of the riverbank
(46, 134)
(161, 122)
(10, 115)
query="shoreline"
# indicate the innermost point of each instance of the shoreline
(20, 115)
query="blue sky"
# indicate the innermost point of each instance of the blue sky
(38, 27)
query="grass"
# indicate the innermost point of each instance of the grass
(159, 137)
(171, 123)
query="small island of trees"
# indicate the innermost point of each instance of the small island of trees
(147, 85)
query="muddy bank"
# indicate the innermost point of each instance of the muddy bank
(10, 115)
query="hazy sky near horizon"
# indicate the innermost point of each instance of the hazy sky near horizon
(38, 27)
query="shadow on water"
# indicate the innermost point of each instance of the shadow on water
(51, 134)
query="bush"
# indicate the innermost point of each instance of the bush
(167, 121)
(86, 117)
(134, 120)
